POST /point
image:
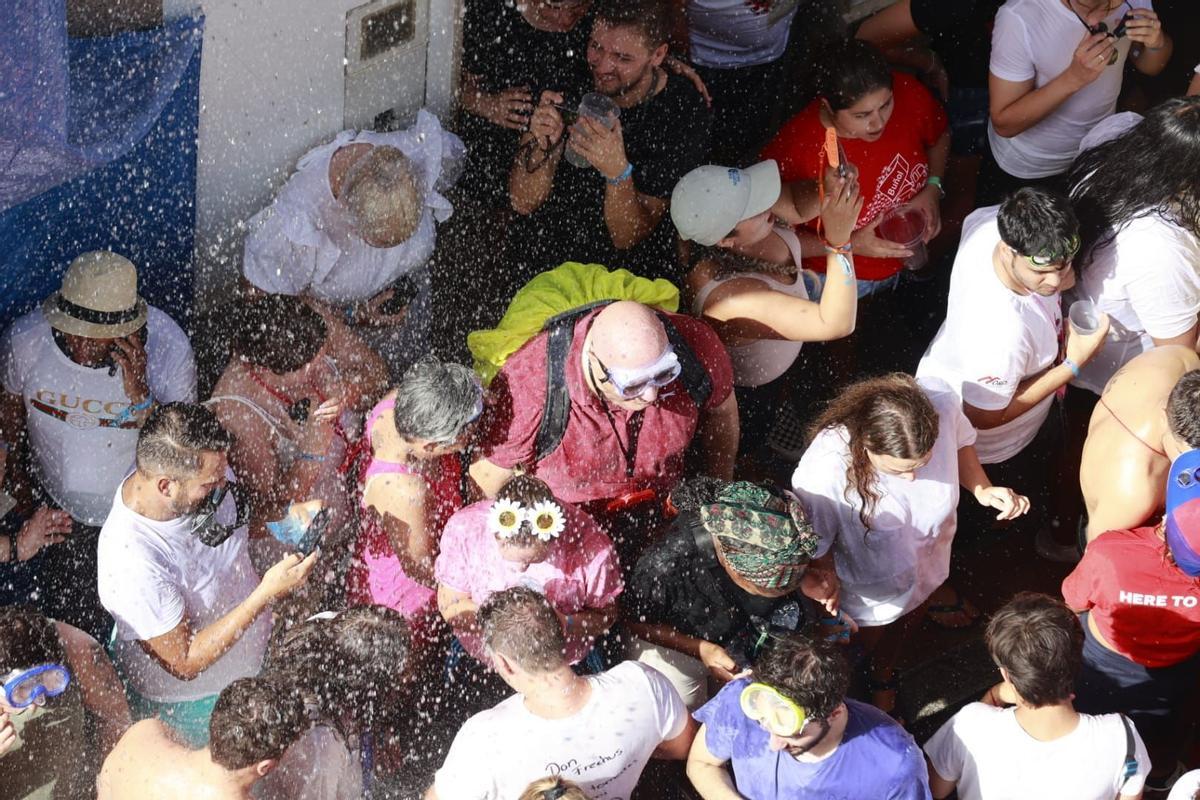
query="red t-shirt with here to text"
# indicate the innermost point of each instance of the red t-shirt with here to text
(891, 170)
(589, 463)
(1143, 605)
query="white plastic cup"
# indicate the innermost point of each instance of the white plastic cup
(1084, 317)
(599, 107)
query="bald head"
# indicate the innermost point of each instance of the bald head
(627, 335)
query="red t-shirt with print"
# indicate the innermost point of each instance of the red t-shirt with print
(891, 170)
(589, 463)
(1143, 605)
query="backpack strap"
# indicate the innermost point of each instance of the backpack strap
(1130, 767)
(692, 372)
(560, 335)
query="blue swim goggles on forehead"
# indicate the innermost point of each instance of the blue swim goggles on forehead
(25, 688)
(631, 383)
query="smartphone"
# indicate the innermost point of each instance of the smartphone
(403, 292)
(314, 532)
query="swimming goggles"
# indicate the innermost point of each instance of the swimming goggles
(630, 383)
(766, 706)
(1046, 258)
(26, 688)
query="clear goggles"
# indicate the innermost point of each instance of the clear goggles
(631, 383)
(766, 706)
(26, 688)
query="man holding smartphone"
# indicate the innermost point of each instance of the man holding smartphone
(80, 375)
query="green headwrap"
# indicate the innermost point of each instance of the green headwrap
(765, 537)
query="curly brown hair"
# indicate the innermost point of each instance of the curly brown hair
(889, 416)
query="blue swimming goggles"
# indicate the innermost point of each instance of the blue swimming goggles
(25, 688)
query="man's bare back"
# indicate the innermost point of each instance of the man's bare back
(150, 762)
(1129, 446)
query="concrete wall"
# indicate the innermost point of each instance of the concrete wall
(272, 86)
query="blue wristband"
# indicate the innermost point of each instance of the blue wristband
(625, 173)
(129, 411)
(1071, 365)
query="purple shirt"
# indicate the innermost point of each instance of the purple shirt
(876, 758)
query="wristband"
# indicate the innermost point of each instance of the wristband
(129, 411)
(1071, 365)
(311, 457)
(934, 180)
(625, 173)
(839, 249)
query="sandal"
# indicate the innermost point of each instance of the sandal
(885, 694)
(959, 605)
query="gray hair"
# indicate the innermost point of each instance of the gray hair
(174, 438)
(435, 401)
(384, 196)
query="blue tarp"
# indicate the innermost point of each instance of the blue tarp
(99, 151)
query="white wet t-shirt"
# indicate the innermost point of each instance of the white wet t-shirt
(992, 339)
(987, 753)
(153, 575)
(304, 242)
(82, 447)
(893, 568)
(603, 747)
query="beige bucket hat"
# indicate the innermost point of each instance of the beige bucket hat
(98, 299)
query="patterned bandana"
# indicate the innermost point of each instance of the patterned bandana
(765, 537)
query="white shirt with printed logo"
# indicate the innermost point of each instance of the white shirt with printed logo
(81, 448)
(603, 747)
(992, 339)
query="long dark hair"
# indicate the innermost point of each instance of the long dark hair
(348, 667)
(1154, 168)
(889, 415)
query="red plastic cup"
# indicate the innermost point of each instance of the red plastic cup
(905, 225)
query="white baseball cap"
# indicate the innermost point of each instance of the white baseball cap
(709, 202)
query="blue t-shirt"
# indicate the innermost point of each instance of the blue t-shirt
(876, 758)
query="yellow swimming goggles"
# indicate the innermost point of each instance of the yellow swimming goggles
(766, 706)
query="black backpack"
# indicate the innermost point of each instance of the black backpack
(560, 334)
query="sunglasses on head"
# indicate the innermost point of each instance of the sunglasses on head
(1046, 257)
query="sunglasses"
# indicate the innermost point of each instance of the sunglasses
(630, 384)
(26, 688)
(1046, 258)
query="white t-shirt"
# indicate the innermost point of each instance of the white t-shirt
(1148, 282)
(1036, 40)
(603, 747)
(726, 34)
(992, 339)
(81, 450)
(304, 242)
(987, 753)
(1189, 784)
(891, 569)
(154, 574)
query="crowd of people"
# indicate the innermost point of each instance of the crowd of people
(669, 529)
